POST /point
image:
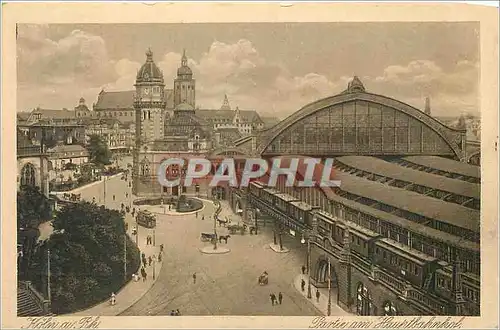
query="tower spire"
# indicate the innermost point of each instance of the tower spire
(149, 54)
(225, 104)
(184, 58)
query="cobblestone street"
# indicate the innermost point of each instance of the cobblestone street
(225, 284)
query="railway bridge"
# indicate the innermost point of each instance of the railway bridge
(400, 236)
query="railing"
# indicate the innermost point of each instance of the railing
(389, 280)
(436, 305)
(38, 298)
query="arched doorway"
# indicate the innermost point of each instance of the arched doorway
(325, 271)
(219, 193)
(28, 175)
(389, 309)
(363, 300)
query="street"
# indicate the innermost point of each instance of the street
(226, 284)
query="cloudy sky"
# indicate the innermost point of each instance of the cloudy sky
(272, 68)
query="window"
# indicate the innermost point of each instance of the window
(390, 309)
(28, 175)
(384, 255)
(377, 251)
(416, 270)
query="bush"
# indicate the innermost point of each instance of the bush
(87, 250)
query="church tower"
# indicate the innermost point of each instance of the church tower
(184, 84)
(149, 102)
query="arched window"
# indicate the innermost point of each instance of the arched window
(390, 309)
(145, 167)
(28, 175)
(363, 300)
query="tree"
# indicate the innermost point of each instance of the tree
(32, 207)
(99, 151)
(87, 256)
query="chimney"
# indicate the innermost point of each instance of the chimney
(428, 106)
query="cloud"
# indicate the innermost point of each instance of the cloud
(55, 73)
(451, 92)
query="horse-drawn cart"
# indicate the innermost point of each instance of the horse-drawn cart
(233, 229)
(264, 279)
(205, 237)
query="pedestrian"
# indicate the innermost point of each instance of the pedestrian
(172, 313)
(303, 269)
(273, 298)
(144, 275)
(147, 240)
(126, 195)
(202, 217)
(302, 285)
(161, 247)
(317, 295)
(196, 215)
(150, 260)
(93, 200)
(159, 257)
(177, 312)
(113, 299)
(114, 197)
(122, 206)
(280, 297)
(194, 278)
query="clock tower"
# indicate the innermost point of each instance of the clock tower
(149, 102)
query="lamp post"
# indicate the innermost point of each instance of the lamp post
(136, 230)
(306, 238)
(125, 257)
(309, 295)
(329, 289)
(49, 295)
(154, 266)
(255, 219)
(215, 230)
(154, 236)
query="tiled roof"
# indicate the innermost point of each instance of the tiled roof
(229, 135)
(67, 148)
(23, 116)
(410, 201)
(446, 165)
(55, 114)
(391, 170)
(115, 100)
(125, 100)
(247, 116)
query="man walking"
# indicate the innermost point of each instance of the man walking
(194, 278)
(150, 260)
(202, 217)
(273, 298)
(280, 297)
(303, 269)
(317, 295)
(302, 285)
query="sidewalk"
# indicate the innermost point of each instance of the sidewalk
(132, 291)
(322, 305)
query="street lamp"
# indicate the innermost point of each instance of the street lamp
(154, 268)
(255, 218)
(329, 288)
(306, 238)
(154, 236)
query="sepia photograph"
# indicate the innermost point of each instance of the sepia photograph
(314, 169)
